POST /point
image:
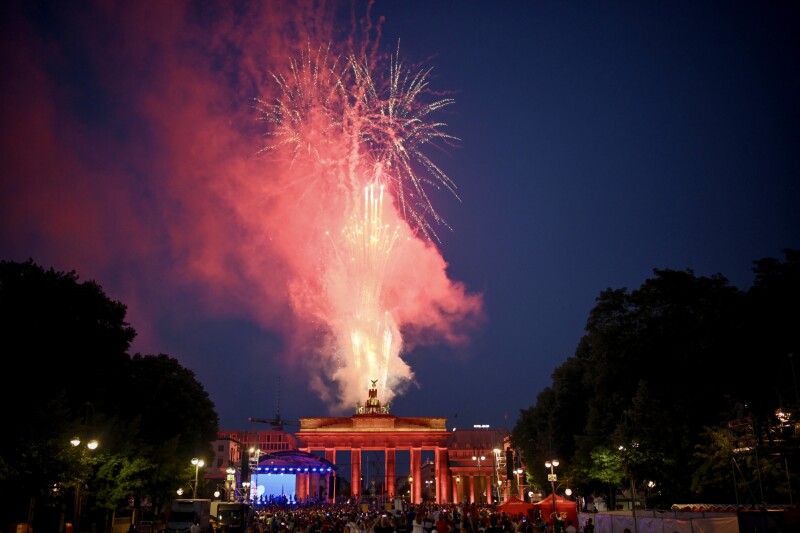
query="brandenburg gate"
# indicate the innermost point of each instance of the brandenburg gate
(372, 428)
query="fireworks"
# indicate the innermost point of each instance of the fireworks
(371, 329)
(382, 124)
(348, 138)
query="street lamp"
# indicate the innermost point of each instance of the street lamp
(479, 457)
(230, 483)
(520, 488)
(91, 444)
(495, 460)
(650, 486)
(552, 478)
(246, 487)
(626, 456)
(198, 463)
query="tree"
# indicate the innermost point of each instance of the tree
(70, 345)
(68, 342)
(175, 421)
(659, 365)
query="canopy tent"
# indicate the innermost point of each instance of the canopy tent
(293, 461)
(514, 506)
(566, 509)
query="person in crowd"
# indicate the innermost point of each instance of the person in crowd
(428, 522)
(401, 524)
(469, 524)
(418, 525)
(494, 526)
(383, 524)
(352, 524)
(444, 524)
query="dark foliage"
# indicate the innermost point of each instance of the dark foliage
(68, 343)
(661, 366)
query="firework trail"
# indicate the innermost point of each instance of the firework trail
(374, 337)
(353, 138)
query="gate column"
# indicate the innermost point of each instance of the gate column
(441, 478)
(355, 473)
(416, 474)
(389, 468)
(330, 492)
(471, 480)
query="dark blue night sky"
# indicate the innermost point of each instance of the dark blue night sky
(598, 141)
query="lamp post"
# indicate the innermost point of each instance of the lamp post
(253, 458)
(246, 487)
(552, 478)
(520, 488)
(496, 454)
(479, 457)
(230, 483)
(91, 445)
(197, 464)
(568, 494)
(650, 486)
(626, 456)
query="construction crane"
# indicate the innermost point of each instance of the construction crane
(277, 423)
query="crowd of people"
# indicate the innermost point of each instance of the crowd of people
(422, 518)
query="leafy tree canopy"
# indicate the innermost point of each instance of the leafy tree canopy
(69, 343)
(657, 370)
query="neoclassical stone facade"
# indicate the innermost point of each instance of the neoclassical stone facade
(467, 464)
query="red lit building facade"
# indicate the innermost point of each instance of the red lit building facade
(460, 465)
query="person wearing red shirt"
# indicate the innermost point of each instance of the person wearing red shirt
(444, 524)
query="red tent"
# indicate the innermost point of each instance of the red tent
(567, 509)
(514, 506)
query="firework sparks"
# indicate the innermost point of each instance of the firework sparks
(372, 331)
(384, 121)
(351, 138)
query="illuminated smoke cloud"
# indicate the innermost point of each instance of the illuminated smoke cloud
(150, 173)
(351, 148)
